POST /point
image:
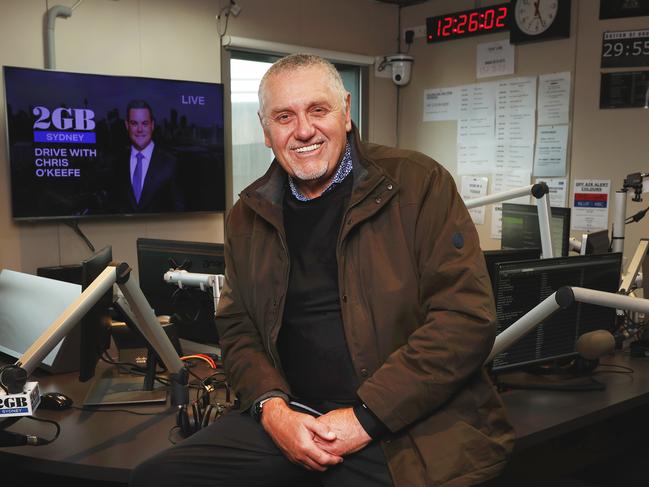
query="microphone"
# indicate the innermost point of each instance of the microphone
(595, 344)
(9, 438)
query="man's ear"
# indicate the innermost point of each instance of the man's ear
(348, 112)
(263, 127)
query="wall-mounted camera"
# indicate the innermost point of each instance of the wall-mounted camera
(401, 66)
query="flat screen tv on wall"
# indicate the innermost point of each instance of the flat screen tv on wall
(88, 145)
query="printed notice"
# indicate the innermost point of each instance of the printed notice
(440, 104)
(515, 112)
(558, 190)
(554, 98)
(590, 204)
(550, 157)
(494, 59)
(474, 187)
(475, 129)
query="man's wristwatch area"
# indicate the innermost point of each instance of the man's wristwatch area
(257, 406)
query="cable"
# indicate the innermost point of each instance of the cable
(201, 356)
(44, 441)
(637, 217)
(74, 225)
(625, 369)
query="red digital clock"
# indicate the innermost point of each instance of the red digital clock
(467, 23)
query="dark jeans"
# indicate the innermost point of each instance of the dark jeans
(235, 451)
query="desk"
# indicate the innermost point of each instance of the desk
(106, 446)
(93, 445)
(560, 432)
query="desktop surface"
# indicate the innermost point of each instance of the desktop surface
(106, 446)
(99, 444)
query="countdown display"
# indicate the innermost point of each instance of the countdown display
(467, 23)
(625, 49)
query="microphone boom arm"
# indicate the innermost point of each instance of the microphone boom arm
(561, 299)
(145, 321)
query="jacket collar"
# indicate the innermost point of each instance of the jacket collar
(265, 195)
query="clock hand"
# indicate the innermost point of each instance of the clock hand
(537, 12)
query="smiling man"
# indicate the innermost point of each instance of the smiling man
(148, 182)
(355, 316)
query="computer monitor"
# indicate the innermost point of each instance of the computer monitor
(492, 257)
(520, 286)
(520, 228)
(193, 308)
(111, 387)
(597, 243)
(28, 306)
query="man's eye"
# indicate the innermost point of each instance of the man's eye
(283, 117)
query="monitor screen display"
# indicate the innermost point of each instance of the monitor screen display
(520, 228)
(87, 145)
(493, 257)
(520, 286)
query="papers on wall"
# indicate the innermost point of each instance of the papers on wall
(496, 221)
(514, 179)
(494, 59)
(550, 156)
(554, 98)
(501, 135)
(590, 204)
(473, 187)
(440, 104)
(557, 187)
(515, 111)
(475, 129)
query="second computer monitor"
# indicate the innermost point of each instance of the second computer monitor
(193, 308)
(520, 286)
(520, 228)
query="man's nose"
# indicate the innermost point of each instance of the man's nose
(304, 129)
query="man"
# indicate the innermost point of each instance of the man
(148, 182)
(355, 316)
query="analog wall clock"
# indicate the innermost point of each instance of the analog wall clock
(539, 20)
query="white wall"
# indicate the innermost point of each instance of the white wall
(169, 39)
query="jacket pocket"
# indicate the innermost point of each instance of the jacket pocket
(458, 451)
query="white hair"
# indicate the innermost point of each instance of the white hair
(295, 62)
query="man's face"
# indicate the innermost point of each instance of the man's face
(140, 127)
(305, 123)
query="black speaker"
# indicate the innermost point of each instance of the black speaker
(67, 358)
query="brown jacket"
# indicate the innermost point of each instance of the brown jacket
(416, 305)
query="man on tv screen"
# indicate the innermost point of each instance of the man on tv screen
(146, 179)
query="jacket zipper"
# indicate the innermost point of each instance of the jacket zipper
(280, 304)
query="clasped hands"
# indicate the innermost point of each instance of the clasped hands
(314, 443)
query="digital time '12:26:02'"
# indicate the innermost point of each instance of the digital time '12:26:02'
(467, 23)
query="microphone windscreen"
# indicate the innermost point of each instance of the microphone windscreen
(595, 344)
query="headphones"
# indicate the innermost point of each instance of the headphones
(200, 413)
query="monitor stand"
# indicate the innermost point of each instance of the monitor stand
(110, 389)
